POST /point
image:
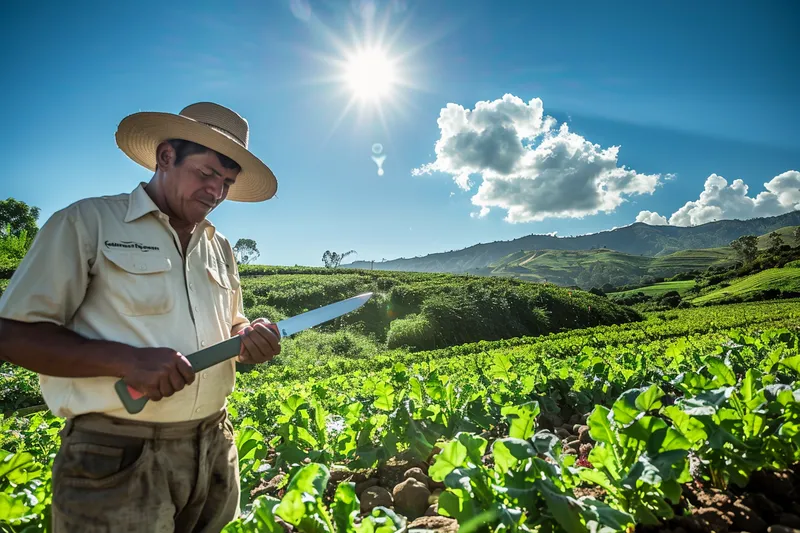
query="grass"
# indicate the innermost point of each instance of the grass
(786, 233)
(593, 268)
(786, 279)
(658, 289)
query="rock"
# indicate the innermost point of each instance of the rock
(584, 436)
(364, 485)
(417, 474)
(411, 498)
(782, 529)
(562, 433)
(434, 523)
(433, 510)
(575, 419)
(762, 504)
(434, 497)
(543, 422)
(719, 522)
(745, 519)
(556, 420)
(576, 428)
(393, 471)
(789, 520)
(376, 496)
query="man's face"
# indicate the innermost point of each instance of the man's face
(197, 186)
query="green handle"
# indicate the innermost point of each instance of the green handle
(134, 401)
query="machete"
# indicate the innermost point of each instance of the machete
(134, 401)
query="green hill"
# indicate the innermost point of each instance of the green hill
(786, 280)
(420, 311)
(636, 239)
(595, 268)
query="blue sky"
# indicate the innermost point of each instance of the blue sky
(684, 89)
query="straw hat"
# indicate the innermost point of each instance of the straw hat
(211, 125)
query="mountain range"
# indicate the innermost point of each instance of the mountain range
(638, 239)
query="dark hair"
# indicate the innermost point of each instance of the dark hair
(185, 148)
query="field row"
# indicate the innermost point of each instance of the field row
(479, 420)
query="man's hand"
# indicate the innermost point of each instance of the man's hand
(260, 343)
(158, 372)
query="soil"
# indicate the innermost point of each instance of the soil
(769, 503)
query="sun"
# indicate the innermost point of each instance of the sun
(370, 74)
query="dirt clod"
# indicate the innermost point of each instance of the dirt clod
(411, 498)
(376, 496)
(435, 523)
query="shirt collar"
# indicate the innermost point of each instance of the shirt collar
(140, 204)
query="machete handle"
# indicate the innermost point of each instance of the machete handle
(134, 401)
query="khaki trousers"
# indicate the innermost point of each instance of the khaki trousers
(113, 475)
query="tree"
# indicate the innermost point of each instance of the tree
(775, 241)
(246, 251)
(16, 216)
(334, 259)
(746, 246)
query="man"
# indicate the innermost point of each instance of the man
(127, 286)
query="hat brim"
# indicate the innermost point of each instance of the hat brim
(138, 136)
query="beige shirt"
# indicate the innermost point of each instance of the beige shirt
(112, 268)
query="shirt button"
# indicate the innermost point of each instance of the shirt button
(202, 343)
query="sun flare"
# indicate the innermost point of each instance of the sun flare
(370, 74)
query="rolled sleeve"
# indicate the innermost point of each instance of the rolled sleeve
(50, 282)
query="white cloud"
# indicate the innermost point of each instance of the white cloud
(719, 201)
(652, 218)
(529, 167)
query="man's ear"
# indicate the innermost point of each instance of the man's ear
(165, 156)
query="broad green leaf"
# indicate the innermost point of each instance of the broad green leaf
(453, 455)
(650, 399)
(475, 446)
(602, 518)
(792, 363)
(457, 504)
(522, 419)
(290, 405)
(691, 428)
(345, 507)
(260, 518)
(565, 508)
(508, 452)
(720, 370)
(599, 425)
(385, 396)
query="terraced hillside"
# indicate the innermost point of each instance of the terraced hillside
(595, 268)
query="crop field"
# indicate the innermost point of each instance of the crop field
(601, 428)
(786, 279)
(657, 289)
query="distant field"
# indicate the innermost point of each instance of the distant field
(785, 279)
(787, 234)
(693, 259)
(658, 289)
(587, 268)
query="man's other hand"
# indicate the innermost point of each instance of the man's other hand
(158, 372)
(260, 342)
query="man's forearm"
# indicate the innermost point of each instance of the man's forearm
(53, 350)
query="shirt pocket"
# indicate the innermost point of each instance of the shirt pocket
(222, 290)
(139, 284)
